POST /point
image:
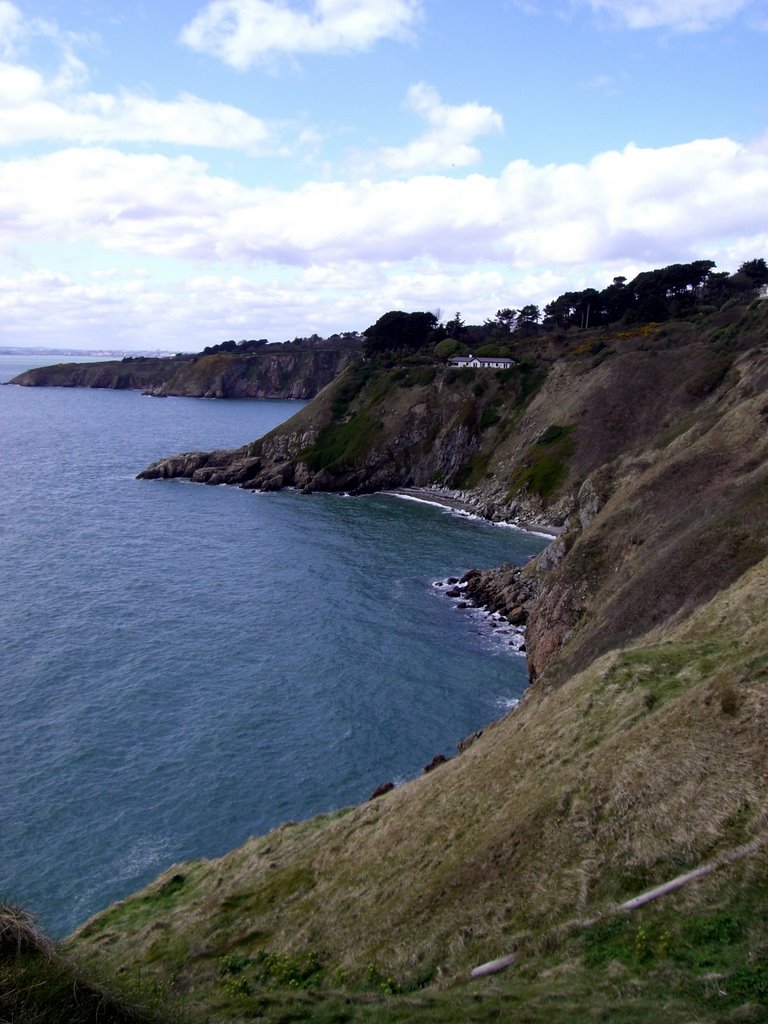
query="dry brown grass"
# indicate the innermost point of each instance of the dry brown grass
(681, 524)
(20, 934)
(40, 986)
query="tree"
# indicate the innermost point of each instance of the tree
(527, 319)
(615, 300)
(573, 309)
(529, 315)
(447, 347)
(455, 328)
(588, 308)
(398, 330)
(756, 270)
(560, 311)
(505, 318)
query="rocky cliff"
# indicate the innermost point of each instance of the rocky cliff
(275, 372)
(637, 756)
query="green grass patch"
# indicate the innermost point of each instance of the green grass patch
(38, 991)
(709, 377)
(349, 386)
(553, 434)
(667, 669)
(528, 375)
(532, 376)
(545, 465)
(271, 890)
(414, 376)
(489, 418)
(670, 433)
(241, 975)
(152, 905)
(661, 944)
(343, 445)
(40, 986)
(472, 472)
(460, 374)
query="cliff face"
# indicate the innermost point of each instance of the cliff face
(287, 373)
(132, 375)
(637, 754)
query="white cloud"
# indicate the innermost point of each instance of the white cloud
(446, 143)
(10, 27)
(34, 108)
(244, 32)
(31, 111)
(264, 262)
(134, 311)
(630, 204)
(681, 15)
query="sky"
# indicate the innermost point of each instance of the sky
(174, 175)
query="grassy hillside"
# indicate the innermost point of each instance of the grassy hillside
(638, 755)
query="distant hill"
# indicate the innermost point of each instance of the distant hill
(276, 371)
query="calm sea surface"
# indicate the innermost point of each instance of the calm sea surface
(182, 667)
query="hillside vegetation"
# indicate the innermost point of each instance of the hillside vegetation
(637, 755)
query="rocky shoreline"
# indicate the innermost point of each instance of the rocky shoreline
(508, 628)
(507, 593)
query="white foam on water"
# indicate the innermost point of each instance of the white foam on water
(463, 513)
(507, 703)
(492, 626)
(147, 852)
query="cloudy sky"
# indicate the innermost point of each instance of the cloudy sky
(176, 174)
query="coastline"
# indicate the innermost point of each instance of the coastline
(449, 500)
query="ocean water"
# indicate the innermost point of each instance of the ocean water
(182, 667)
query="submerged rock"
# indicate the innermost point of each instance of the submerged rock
(385, 787)
(436, 761)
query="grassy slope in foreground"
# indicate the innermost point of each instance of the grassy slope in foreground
(645, 765)
(39, 986)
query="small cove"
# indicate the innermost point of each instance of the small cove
(185, 666)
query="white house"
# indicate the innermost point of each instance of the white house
(482, 362)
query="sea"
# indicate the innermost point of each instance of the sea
(182, 666)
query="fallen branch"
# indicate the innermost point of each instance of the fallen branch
(493, 966)
(637, 901)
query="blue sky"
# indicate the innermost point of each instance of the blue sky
(175, 175)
